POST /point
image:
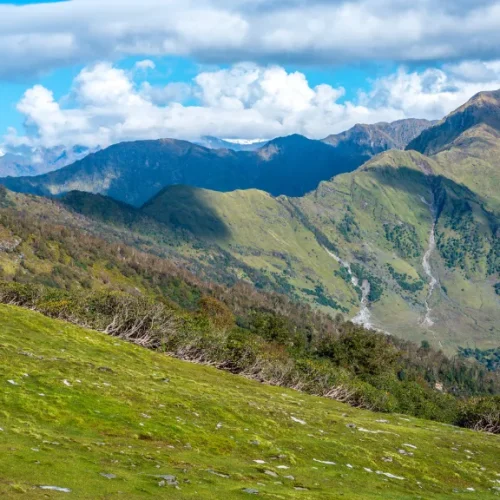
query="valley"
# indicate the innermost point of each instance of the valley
(249, 249)
(421, 244)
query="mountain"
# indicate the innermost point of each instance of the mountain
(375, 225)
(236, 145)
(369, 140)
(407, 243)
(466, 146)
(482, 110)
(22, 161)
(290, 165)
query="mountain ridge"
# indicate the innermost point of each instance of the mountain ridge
(292, 165)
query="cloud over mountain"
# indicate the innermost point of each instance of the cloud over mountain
(107, 104)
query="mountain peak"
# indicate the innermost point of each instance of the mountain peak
(482, 109)
(290, 140)
(378, 137)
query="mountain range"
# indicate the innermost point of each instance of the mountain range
(405, 241)
(24, 160)
(291, 166)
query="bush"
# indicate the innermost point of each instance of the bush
(480, 414)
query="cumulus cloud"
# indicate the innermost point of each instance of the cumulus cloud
(432, 93)
(244, 101)
(34, 38)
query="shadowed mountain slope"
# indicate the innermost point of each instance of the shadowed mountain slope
(133, 172)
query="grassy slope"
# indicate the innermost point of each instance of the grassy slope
(473, 160)
(256, 229)
(266, 234)
(138, 414)
(375, 196)
(271, 235)
(391, 189)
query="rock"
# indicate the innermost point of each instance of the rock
(409, 446)
(302, 422)
(220, 474)
(251, 491)
(219, 425)
(404, 452)
(300, 488)
(351, 426)
(259, 461)
(167, 479)
(66, 383)
(291, 478)
(254, 442)
(349, 466)
(270, 473)
(387, 459)
(12, 382)
(282, 467)
(108, 476)
(324, 462)
(56, 488)
(388, 474)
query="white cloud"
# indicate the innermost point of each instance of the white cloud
(144, 65)
(36, 38)
(244, 101)
(432, 93)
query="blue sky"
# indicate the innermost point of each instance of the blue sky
(94, 72)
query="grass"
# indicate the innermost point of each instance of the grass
(86, 404)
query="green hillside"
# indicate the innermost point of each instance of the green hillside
(407, 244)
(378, 220)
(101, 418)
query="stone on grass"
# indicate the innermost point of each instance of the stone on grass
(251, 491)
(167, 480)
(388, 474)
(220, 474)
(409, 446)
(56, 488)
(270, 473)
(108, 475)
(325, 462)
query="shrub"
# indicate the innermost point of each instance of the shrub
(481, 414)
